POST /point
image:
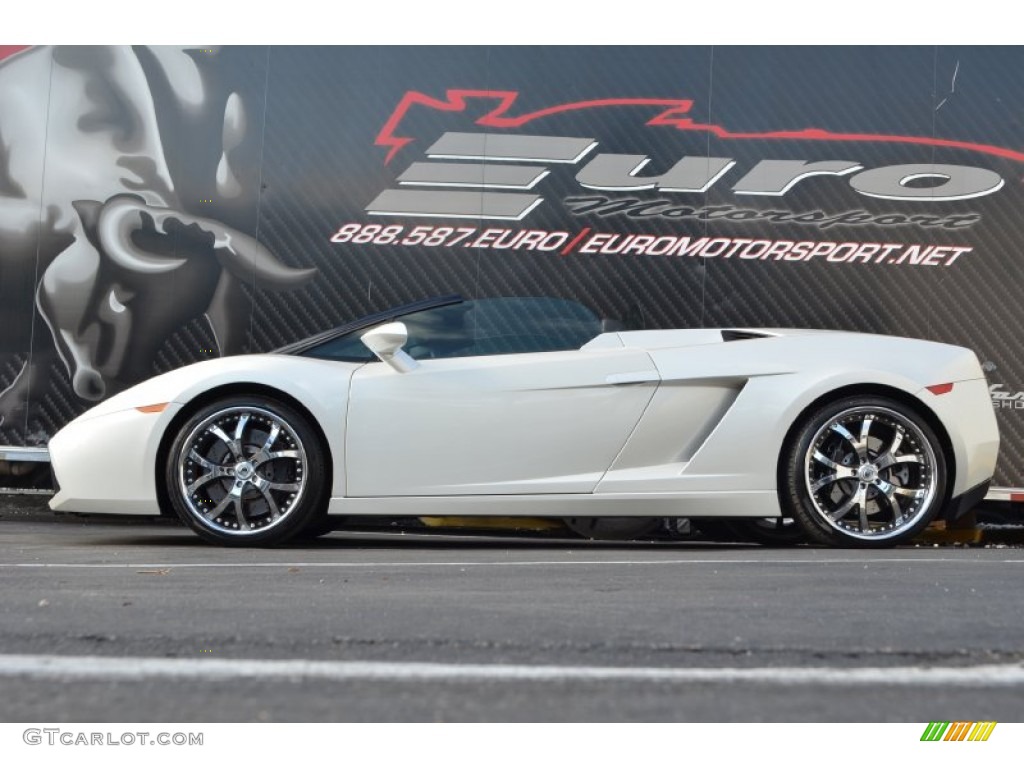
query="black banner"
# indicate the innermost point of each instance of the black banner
(161, 206)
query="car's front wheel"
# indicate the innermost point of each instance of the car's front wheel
(863, 471)
(247, 471)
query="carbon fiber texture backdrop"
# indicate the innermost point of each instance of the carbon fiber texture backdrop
(309, 164)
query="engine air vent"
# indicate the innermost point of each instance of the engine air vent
(734, 334)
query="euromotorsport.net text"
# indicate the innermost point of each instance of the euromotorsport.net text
(564, 243)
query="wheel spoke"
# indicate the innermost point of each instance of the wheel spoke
(910, 493)
(264, 454)
(839, 512)
(889, 456)
(839, 472)
(862, 444)
(203, 461)
(862, 503)
(240, 427)
(827, 480)
(288, 454)
(199, 482)
(889, 459)
(275, 511)
(290, 487)
(232, 445)
(275, 430)
(857, 499)
(823, 459)
(887, 491)
(264, 486)
(897, 440)
(243, 524)
(221, 506)
(844, 433)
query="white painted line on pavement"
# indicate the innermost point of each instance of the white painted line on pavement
(528, 563)
(210, 670)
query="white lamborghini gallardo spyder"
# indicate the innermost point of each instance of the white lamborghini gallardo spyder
(536, 407)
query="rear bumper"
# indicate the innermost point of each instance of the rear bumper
(960, 505)
(970, 422)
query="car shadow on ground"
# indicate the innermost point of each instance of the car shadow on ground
(432, 542)
(157, 532)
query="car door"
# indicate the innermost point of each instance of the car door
(533, 423)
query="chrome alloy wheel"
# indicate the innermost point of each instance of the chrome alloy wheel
(241, 470)
(871, 473)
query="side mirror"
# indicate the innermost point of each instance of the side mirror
(386, 342)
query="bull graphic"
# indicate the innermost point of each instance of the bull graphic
(129, 182)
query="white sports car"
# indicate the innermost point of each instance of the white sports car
(537, 407)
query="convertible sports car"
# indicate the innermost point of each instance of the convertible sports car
(537, 407)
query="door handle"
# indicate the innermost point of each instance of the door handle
(632, 377)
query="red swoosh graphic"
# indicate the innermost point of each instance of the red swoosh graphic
(498, 117)
(672, 115)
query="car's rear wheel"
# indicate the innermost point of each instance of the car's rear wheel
(864, 471)
(247, 471)
(771, 531)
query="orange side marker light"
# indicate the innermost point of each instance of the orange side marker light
(155, 408)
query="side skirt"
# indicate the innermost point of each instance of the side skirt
(731, 504)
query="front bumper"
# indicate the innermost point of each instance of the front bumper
(107, 463)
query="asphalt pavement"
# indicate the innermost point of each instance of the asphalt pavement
(103, 619)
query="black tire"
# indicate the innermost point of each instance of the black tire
(612, 528)
(863, 471)
(247, 471)
(321, 526)
(771, 531)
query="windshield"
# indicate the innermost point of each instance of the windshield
(494, 326)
